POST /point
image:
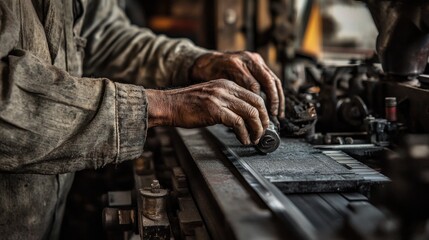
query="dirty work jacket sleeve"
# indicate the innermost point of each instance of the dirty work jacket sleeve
(52, 122)
(125, 53)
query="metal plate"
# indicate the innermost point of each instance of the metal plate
(298, 167)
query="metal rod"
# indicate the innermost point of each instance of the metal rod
(344, 146)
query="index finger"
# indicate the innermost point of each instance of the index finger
(280, 91)
(256, 101)
(269, 84)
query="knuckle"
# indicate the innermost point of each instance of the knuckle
(260, 101)
(238, 122)
(221, 84)
(233, 57)
(219, 92)
(210, 91)
(256, 55)
(271, 82)
(237, 62)
(237, 56)
(250, 97)
(248, 53)
(254, 86)
(275, 101)
(230, 84)
(211, 86)
(221, 81)
(253, 113)
(257, 58)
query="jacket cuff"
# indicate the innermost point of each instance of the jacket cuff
(131, 121)
(188, 54)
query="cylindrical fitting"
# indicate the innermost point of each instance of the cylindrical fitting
(153, 201)
(390, 106)
(270, 141)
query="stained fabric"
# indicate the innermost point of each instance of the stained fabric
(53, 121)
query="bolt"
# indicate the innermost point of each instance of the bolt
(155, 187)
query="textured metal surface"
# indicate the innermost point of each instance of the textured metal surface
(277, 202)
(189, 217)
(368, 174)
(229, 210)
(330, 212)
(298, 167)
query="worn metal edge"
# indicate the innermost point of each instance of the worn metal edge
(222, 219)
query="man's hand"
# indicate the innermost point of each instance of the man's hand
(210, 103)
(247, 70)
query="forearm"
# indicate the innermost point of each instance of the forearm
(51, 122)
(128, 54)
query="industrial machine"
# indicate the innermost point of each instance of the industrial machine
(352, 160)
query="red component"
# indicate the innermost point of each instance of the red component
(390, 105)
(391, 114)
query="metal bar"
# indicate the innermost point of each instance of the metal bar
(229, 208)
(345, 146)
(280, 205)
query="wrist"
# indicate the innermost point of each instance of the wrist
(198, 72)
(159, 108)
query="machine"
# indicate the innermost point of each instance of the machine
(352, 160)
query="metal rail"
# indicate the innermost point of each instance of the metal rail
(279, 204)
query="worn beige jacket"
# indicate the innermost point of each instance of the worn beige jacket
(53, 121)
